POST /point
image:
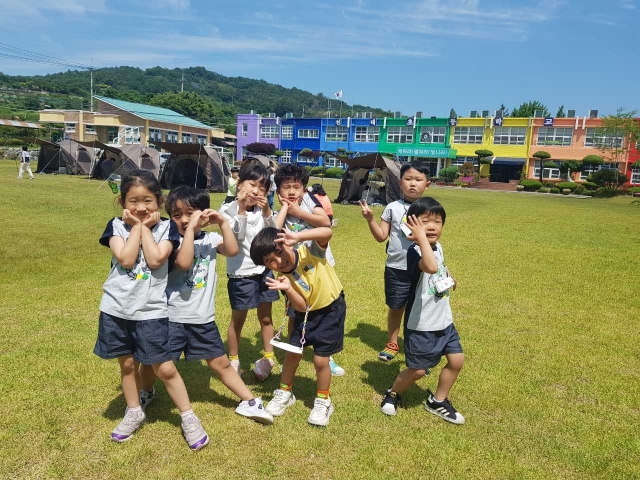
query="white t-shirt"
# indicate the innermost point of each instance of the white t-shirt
(138, 293)
(25, 156)
(191, 293)
(395, 214)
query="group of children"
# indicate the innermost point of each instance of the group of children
(159, 297)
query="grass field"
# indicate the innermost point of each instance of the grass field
(547, 306)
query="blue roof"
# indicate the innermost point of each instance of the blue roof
(149, 112)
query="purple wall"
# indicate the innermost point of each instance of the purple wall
(253, 123)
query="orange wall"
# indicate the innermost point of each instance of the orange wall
(577, 150)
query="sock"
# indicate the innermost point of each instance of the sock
(269, 355)
(434, 399)
(323, 394)
(234, 357)
(135, 409)
(187, 413)
(286, 386)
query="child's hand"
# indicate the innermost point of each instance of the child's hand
(213, 217)
(279, 283)
(196, 222)
(367, 213)
(152, 220)
(262, 203)
(289, 238)
(292, 207)
(129, 218)
(417, 229)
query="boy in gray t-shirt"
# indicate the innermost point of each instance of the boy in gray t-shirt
(191, 292)
(429, 332)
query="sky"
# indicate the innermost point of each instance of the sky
(403, 55)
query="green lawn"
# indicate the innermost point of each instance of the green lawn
(547, 308)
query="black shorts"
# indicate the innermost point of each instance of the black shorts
(146, 340)
(228, 199)
(247, 292)
(197, 341)
(423, 350)
(325, 328)
(397, 284)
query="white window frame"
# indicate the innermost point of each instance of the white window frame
(245, 130)
(400, 135)
(336, 134)
(308, 133)
(509, 135)
(202, 139)
(187, 138)
(367, 134)
(287, 132)
(555, 136)
(635, 175)
(269, 131)
(595, 168)
(155, 135)
(69, 127)
(171, 136)
(547, 173)
(438, 134)
(89, 129)
(459, 161)
(593, 139)
(332, 162)
(468, 135)
(286, 156)
(112, 134)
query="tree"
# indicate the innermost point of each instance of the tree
(505, 110)
(609, 179)
(527, 109)
(570, 166)
(258, 148)
(482, 154)
(541, 155)
(618, 134)
(560, 113)
(453, 114)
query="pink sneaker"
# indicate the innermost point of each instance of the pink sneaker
(263, 368)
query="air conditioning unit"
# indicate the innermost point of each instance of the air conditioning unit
(499, 114)
(288, 115)
(593, 113)
(571, 114)
(397, 115)
(473, 114)
(538, 114)
(485, 113)
(418, 114)
(271, 115)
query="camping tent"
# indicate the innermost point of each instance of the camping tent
(64, 157)
(355, 177)
(120, 160)
(49, 157)
(193, 164)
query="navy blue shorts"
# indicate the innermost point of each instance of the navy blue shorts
(423, 350)
(397, 284)
(247, 292)
(197, 341)
(146, 340)
(325, 328)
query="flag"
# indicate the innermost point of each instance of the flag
(338, 94)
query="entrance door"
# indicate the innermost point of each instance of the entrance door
(432, 164)
(504, 173)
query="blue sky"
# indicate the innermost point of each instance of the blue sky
(408, 55)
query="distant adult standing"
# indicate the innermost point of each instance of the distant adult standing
(25, 161)
(272, 188)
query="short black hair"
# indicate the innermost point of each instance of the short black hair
(196, 198)
(235, 169)
(317, 189)
(255, 171)
(263, 244)
(428, 205)
(419, 166)
(140, 177)
(25, 148)
(291, 172)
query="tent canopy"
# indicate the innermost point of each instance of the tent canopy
(359, 167)
(193, 164)
(121, 160)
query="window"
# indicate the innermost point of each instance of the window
(609, 166)
(433, 134)
(555, 136)
(201, 139)
(367, 134)
(112, 134)
(172, 137)
(635, 175)
(269, 131)
(459, 161)
(187, 138)
(155, 135)
(468, 135)
(90, 129)
(336, 134)
(331, 161)
(509, 135)
(70, 127)
(307, 133)
(588, 170)
(245, 129)
(287, 133)
(286, 157)
(596, 138)
(550, 173)
(400, 135)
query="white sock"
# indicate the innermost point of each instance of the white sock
(187, 413)
(135, 409)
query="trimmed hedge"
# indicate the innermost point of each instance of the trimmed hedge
(589, 193)
(580, 190)
(549, 184)
(531, 185)
(334, 172)
(590, 185)
(544, 190)
(568, 185)
(555, 190)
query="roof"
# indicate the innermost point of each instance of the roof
(19, 123)
(149, 112)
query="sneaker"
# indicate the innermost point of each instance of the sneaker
(254, 410)
(193, 433)
(322, 410)
(281, 400)
(235, 364)
(336, 370)
(443, 409)
(147, 397)
(263, 368)
(389, 352)
(128, 426)
(389, 405)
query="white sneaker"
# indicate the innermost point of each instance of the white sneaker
(235, 364)
(336, 370)
(128, 426)
(280, 402)
(254, 410)
(322, 410)
(263, 368)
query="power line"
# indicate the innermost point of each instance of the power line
(16, 53)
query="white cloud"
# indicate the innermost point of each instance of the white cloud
(175, 4)
(628, 4)
(39, 8)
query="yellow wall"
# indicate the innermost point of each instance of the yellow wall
(106, 120)
(516, 151)
(54, 117)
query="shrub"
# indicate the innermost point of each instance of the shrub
(531, 185)
(569, 185)
(590, 185)
(317, 171)
(467, 170)
(544, 190)
(608, 193)
(308, 169)
(555, 190)
(334, 172)
(580, 190)
(609, 179)
(449, 174)
(549, 184)
(550, 165)
(589, 193)
(566, 191)
(593, 160)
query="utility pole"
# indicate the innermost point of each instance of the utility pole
(182, 87)
(91, 72)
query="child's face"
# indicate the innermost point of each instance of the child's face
(292, 190)
(234, 174)
(282, 260)
(141, 202)
(253, 189)
(181, 214)
(432, 224)
(413, 184)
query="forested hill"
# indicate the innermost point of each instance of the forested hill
(208, 96)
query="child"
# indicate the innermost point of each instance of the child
(25, 162)
(301, 211)
(315, 292)
(272, 188)
(414, 180)
(190, 296)
(317, 190)
(429, 332)
(134, 327)
(247, 215)
(232, 189)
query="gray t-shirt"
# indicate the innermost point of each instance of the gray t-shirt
(427, 310)
(137, 293)
(191, 294)
(395, 214)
